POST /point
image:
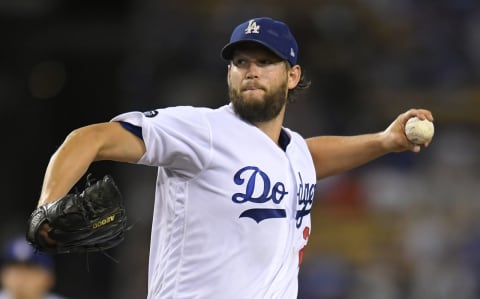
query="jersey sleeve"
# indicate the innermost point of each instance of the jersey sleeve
(176, 138)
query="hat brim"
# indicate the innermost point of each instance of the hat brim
(227, 51)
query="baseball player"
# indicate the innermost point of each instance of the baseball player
(235, 187)
(25, 273)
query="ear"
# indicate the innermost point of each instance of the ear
(294, 74)
(228, 74)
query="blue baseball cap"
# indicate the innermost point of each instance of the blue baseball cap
(19, 251)
(273, 34)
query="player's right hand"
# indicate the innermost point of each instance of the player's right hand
(395, 138)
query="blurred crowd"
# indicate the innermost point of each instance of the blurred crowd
(402, 227)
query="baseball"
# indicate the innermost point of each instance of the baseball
(419, 131)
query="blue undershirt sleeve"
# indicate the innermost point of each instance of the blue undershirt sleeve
(135, 130)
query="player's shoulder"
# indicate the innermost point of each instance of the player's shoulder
(295, 138)
(294, 135)
(188, 111)
(198, 111)
(177, 110)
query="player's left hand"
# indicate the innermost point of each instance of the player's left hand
(395, 139)
(93, 220)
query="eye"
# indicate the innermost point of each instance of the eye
(239, 61)
(264, 62)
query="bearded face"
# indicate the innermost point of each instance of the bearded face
(258, 82)
(263, 108)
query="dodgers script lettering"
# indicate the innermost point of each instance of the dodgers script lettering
(258, 189)
(305, 196)
(251, 175)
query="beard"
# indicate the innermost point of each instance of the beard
(254, 110)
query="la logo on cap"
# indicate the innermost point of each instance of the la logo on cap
(252, 27)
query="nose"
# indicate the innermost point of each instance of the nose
(252, 70)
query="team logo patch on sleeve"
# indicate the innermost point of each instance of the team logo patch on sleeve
(151, 113)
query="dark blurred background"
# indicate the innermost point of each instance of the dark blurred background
(402, 227)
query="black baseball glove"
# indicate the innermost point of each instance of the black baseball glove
(92, 220)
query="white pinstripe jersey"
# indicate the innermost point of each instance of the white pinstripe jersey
(232, 209)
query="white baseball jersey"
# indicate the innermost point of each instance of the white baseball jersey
(232, 208)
